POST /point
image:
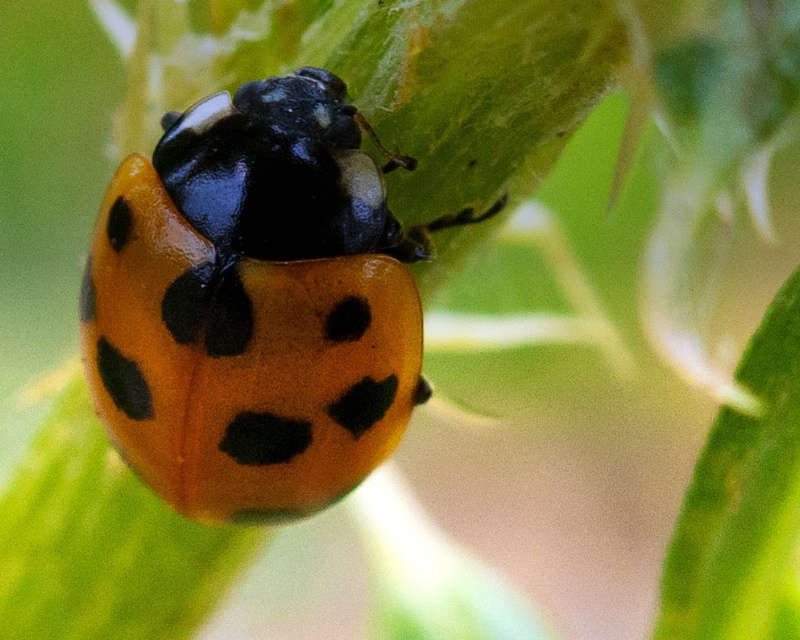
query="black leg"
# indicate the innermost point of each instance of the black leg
(416, 244)
(423, 392)
(466, 216)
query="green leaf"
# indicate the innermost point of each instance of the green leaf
(479, 92)
(426, 587)
(472, 602)
(89, 552)
(732, 556)
(726, 77)
(786, 625)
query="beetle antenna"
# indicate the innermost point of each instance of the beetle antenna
(395, 160)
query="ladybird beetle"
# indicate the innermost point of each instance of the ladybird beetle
(250, 332)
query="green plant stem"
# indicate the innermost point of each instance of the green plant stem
(90, 553)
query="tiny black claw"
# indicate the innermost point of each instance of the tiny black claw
(169, 119)
(423, 392)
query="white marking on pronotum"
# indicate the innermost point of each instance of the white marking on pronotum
(202, 116)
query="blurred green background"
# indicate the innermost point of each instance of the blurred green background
(59, 83)
(573, 498)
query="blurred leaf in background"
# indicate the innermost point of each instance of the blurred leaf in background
(575, 496)
(60, 81)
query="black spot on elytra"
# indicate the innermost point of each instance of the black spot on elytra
(118, 227)
(229, 325)
(186, 302)
(124, 382)
(423, 391)
(364, 404)
(256, 439)
(88, 299)
(258, 517)
(349, 320)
